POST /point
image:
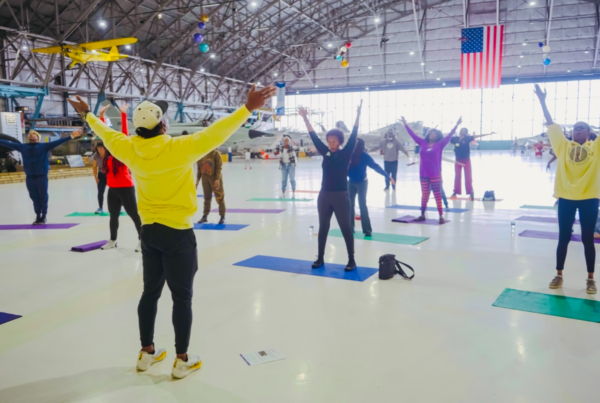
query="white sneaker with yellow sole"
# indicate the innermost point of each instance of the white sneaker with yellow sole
(145, 360)
(181, 368)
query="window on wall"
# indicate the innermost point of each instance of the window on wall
(510, 111)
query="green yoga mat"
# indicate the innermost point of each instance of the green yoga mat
(91, 215)
(389, 238)
(547, 304)
(280, 200)
(539, 207)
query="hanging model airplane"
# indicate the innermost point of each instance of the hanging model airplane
(90, 52)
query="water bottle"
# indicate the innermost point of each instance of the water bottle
(512, 227)
(311, 229)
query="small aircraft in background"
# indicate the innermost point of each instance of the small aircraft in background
(91, 51)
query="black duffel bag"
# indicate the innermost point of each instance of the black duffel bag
(389, 266)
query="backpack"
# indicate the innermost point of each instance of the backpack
(489, 196)
(389, 266)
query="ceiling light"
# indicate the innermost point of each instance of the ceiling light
(521, 56)
(297, 92)
(411, 53)
(438, 79)
(25, 47)
(532, 3)
(316, 85)
(102, 23)
(202, 70)
(275, 74)
(568, 71)
(524, 43)
(159, 16)
(367, 88)
(370, 67)
(431, 72)
(258, 83)
(519, 67)
(587, 51)
(127, 47)
(329, 45)
(422, 64)
(516, 79)
(377, 19)
(142, 70)
(212, 55)
(394, 82)
(253, 4)
(443, 83)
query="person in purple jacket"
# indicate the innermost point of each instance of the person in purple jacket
(432, 147)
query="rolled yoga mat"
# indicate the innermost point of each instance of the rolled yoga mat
(550, 235)
(7, 317)
(251, 211)
(527, 206)
(389, 238)
(304, 267)
(548, 304)
(88, 247)
(29, 226)
(548, 220)
(77, 214)
(418, 208)
(408, 219)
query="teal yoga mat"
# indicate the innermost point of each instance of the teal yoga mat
(539, 207)
(90, 215)
(279, 200)
(547, 304)
(389, 238)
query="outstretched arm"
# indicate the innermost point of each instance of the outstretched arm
(123, 108)
(375, 166)
(53, 144)
(401, 147)
(12, 145)
(420, 141)
(319, 145)
(444, 142)
(542, 97)
(351, 144)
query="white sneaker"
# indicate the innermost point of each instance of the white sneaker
(109, 245)
(181, 369)
(146, 360)
(139, 247)
(282, 195)
(294, 194)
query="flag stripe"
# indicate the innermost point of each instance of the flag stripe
(480, 69)
(487, 60)
(500, 56)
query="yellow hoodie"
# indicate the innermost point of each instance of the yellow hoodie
(578, 164)
(162, 166)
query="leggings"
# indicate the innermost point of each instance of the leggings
(338, 203)
(125, 197)
(427, 185)
(101, 188)
(588, 213)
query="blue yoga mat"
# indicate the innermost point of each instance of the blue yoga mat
(304, 267)
(418, 208)
(220, 227)
(7, 317)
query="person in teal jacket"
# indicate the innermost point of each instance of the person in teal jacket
(36, 163)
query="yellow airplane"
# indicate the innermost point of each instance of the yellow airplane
(89, 52)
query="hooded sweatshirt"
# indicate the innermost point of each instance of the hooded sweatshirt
(162, 166)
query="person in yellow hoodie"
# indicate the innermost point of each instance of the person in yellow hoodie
(167, 202)
(577, 187)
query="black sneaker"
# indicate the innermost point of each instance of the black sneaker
(387, 188)
(37, 221)
(203, 220)
(42, 220)
(367, 234)
(318, 263)
(351, 265)
(222, 220)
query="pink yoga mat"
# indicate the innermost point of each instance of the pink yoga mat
(29, 226)
(408, 219)
(251, 211)
(550, 235)
(88, 247)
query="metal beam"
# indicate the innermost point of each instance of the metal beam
(418, 38)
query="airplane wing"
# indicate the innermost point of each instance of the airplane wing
(253, 134)
(108, 43)
(53, 49)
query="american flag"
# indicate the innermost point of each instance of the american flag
(481, 57)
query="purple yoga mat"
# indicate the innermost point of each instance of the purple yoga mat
(550, 235)
(88, 247)
(408, 219)
(549, 220)
(29, 226)
(251, 211)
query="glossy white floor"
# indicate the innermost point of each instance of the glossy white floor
(435, 339)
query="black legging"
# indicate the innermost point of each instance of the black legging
(125, 197)
(338, 203)
(588, 213)
(101, 188)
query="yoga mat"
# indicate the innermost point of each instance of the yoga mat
(550, 235)
(308, 191)
(539, 207)
(408, 219)
(251, 211)
(418, 208)
(7, 317)
(549, 220)
(279, 200)
(200, 195)
(304, 267)
(548, 304)
(219, 227)
(88, 247)
(29, 226)
(76, 214)
(469, 199)
(378, 237)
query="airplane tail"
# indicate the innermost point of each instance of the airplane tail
(114, 51)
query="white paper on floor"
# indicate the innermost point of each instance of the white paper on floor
(262, 357)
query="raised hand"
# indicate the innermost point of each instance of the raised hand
(102, 111)
(540, 94)
(359, 109)
(77, 133)
(124, 107)
(459, 121)
(79, 104)
(256, 99)
(302, 111)
(403, 121)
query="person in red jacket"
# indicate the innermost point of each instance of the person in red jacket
(121, 189)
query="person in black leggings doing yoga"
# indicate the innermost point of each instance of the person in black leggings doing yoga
(333, 197)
